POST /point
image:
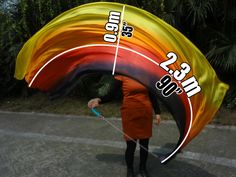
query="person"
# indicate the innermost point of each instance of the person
(137, 118)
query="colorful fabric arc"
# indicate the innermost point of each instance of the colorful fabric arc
(121, 39)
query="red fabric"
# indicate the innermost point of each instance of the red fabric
(136, 110)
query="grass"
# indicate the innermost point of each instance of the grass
(66, 105)
(78, 106)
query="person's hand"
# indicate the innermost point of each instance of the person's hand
(157, 119)
(94, 103)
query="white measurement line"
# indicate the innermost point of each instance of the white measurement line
(118, 41)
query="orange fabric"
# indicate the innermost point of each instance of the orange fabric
(136, 110)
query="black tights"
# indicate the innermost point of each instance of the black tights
(129, 153)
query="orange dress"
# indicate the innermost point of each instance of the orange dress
(136, 110)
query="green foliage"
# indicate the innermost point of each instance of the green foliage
(198, 11)
(223, 53)
(222, 46)
(94, 85)
(19, 21)
(230, 100)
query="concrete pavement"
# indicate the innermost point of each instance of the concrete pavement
(47, 145)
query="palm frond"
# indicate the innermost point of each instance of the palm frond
(169, 18)
(198, 10)
(223, 53)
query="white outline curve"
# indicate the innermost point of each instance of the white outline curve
(191, 120)
(85, 46)
(131, 50)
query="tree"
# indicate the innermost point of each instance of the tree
(19, 21)
(222, 53)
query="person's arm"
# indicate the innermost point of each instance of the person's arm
(156, 108)
(115, 85)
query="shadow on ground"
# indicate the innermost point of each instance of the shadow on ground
(175, 168)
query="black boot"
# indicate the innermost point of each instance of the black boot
(143, 172)
(129, 157)
(130, 172)
(143, 157)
